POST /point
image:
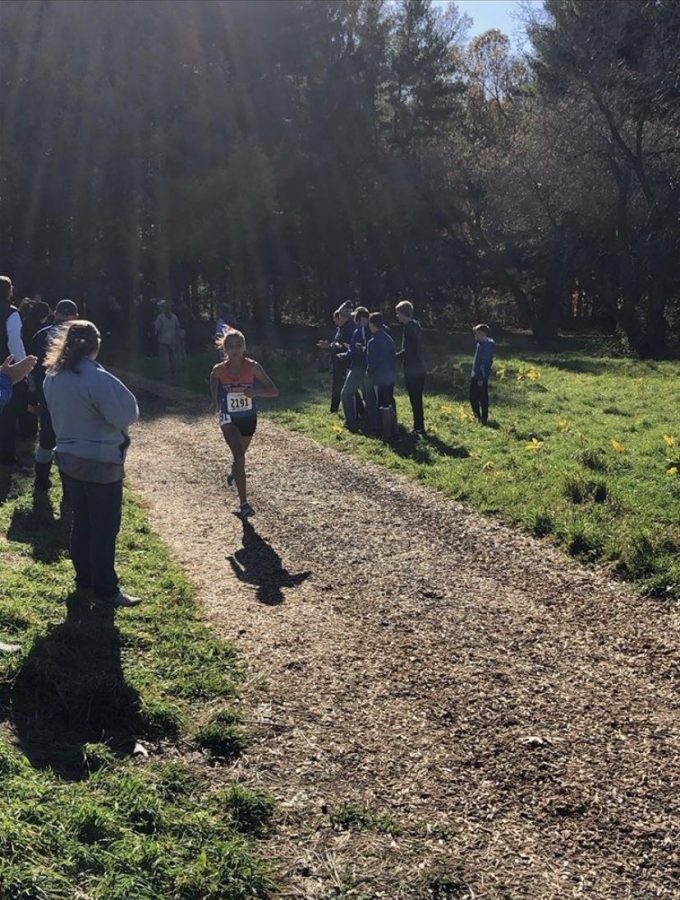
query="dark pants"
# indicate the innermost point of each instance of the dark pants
(8, 428)
(479, 399)
(96, 523)
(339, 376)
(45, 450)
(48, 439)
(415, 385)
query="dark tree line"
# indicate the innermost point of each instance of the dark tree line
(293, 153)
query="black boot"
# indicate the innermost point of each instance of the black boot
(42, 476)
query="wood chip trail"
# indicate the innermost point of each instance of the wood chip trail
(513, 714)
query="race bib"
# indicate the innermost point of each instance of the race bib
(238, 403)
(225, 418)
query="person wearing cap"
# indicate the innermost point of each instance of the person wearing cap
(66, 311)
(338, 346)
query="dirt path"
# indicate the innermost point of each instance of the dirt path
(512, 711)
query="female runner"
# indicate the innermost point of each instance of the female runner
(234, 385)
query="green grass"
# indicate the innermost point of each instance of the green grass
(549, 465)
(81, 817)
(354, 817)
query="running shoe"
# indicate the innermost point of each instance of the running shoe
(231, 478)
(246, 510)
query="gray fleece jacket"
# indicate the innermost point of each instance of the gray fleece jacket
(91, 411)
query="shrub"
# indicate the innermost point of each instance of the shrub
(161, 719)
(542, 524)
(249, 809)
(222, 737)
(593, 460)
(584, 543)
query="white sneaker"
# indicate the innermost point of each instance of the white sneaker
(122, 599)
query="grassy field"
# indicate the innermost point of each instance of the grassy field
(584, 449)
(81, 817)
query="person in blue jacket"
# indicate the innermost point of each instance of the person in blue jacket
(381, 375)
(351, 401)
(481, 372)
(11, 373)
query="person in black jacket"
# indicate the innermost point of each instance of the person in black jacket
(411, 354)
(11, 343)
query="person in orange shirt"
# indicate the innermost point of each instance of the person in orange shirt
(234, 386)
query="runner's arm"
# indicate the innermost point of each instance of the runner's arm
(267, 389)
(214, 388)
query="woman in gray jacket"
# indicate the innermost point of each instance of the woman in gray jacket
(91, 411)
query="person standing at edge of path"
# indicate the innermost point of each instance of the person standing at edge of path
(338, 346)
(91, 412)
(168, 336)
(381, 374)
(481, 372)
(66, 311)
(233, 389)
(226, 320)
(12, 344)
(357, 367)
(414, 362)
(11, 373)
(35, 314)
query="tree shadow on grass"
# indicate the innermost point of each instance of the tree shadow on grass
(71, 690)
(38, 526)
(258, 564)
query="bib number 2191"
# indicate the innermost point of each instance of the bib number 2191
(239, 403)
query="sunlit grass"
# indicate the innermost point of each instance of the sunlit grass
(81, 817)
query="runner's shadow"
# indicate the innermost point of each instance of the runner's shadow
(257, 563)
(71, 690)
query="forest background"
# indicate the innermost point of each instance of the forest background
(288, 155)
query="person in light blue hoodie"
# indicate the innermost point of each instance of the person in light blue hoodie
(481, 372)
(91, 411)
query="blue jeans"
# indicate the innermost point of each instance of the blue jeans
(354, 381)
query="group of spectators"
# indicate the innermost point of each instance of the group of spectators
(364, 367)
(84, 413)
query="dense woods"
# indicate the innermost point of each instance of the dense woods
(291, 154)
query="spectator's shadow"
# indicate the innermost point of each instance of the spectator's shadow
(257, 563)
(71, 690)
(410, 446)
(47, 535)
